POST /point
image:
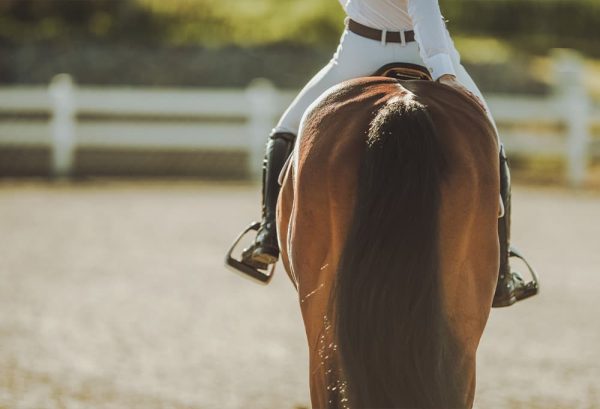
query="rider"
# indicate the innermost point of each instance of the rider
(379, 32)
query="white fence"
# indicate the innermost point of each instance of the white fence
(241, 119)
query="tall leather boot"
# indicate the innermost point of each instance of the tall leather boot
(265, 249)
(510, 283)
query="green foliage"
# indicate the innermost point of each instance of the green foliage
(172, 22)
(531, 25)
(249, 22)
(67, 21)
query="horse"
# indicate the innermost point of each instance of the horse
(387, 223)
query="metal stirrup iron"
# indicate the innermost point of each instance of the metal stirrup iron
(247, 271)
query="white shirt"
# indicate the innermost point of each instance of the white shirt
(422, 16)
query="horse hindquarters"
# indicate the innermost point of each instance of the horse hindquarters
(392, 335)
(400, 241)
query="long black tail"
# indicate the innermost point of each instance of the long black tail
(387, 306)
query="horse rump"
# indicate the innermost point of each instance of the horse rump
(392, 335)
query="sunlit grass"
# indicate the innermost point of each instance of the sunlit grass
(483, 50)
(592, 79)
(544, 70)
(249, 22)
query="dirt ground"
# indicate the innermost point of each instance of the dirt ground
(114, 295)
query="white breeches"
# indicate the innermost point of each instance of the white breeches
(355, 57)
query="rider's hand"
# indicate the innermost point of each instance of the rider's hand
(451, 81)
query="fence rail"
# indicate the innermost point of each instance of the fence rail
(66, 117)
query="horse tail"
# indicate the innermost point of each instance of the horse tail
(390, 327)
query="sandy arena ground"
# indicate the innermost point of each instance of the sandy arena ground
(114, 295)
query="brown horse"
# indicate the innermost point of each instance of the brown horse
(388, 228)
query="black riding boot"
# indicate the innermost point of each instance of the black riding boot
(510, 284)
(265, 249)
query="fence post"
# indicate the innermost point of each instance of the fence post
(262, 97)
(62, 96)
(570, 89)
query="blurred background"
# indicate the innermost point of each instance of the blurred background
(131, 135)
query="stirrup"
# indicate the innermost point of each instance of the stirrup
(532, 287)
(238, 266)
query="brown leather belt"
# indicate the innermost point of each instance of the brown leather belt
(374, 34)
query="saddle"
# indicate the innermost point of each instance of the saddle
(403, 71)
